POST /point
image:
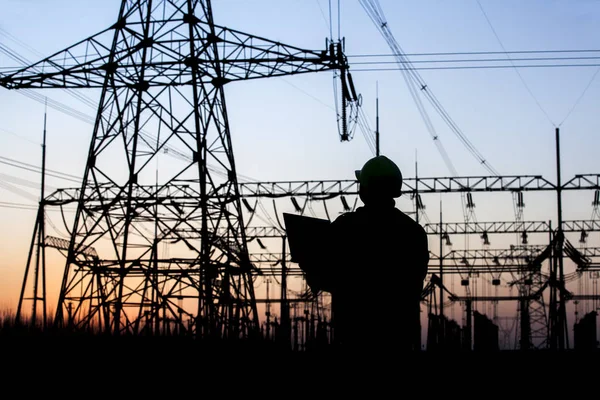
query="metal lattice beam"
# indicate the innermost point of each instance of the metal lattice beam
(331, 188)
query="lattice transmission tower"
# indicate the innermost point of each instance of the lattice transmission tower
(161, 70)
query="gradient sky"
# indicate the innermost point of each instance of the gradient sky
(285, 128)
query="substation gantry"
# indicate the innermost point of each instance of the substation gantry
(542, 325)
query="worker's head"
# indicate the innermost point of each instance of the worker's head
(379, 179)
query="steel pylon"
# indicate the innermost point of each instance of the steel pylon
(171, 248)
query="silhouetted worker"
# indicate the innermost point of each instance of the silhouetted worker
(376, 263)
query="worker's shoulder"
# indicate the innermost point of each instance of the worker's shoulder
(361, 214)
(407, 220)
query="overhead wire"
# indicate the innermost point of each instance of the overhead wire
(480, 60)
(23, 182)
(474, 67)
(12, 188)
(580, 97)
(411, 78)
(467, 53)
(516, 69)
(323, 14)
(367, 132)
(34, 168)
(19, 136)
(308, 94)
(18, 206)
(376, 14)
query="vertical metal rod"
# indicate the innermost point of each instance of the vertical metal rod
(27, 265)
(268, 312)
(442, 324)
(285, 312)
(469, 323)
(417, 189)
(551, 322)
(562, 317)
(42, 231)
(525, 324)
(40, 243)
(377, 120)
(339, 21)
(205, 300)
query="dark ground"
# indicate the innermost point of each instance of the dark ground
(98, 352)
(138, 367)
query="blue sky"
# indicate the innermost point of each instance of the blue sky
(274, 119)
(285, 128)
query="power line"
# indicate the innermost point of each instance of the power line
(481, 60)
(37, 169)
(322, 14)
(17, 206)
(368, 134)
(474, 67)
(308, 94)
(580, 97)
(378, 20)
(19, 136)
(17, 191)
(415, 81)
(516, 70)
(12, 162)
(466, 53)
(22, 182)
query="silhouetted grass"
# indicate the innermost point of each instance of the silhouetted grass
(22, 345)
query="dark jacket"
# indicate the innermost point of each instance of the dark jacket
(376, 262)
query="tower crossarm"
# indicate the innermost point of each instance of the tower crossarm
(331, 188)
(592, 225)
(82, 65)
(221, 55)
(324, 189)
(583, 181)
(63, 244)
(244, 56)
(487, 227)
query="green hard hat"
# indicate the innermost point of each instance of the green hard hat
(380, 175)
